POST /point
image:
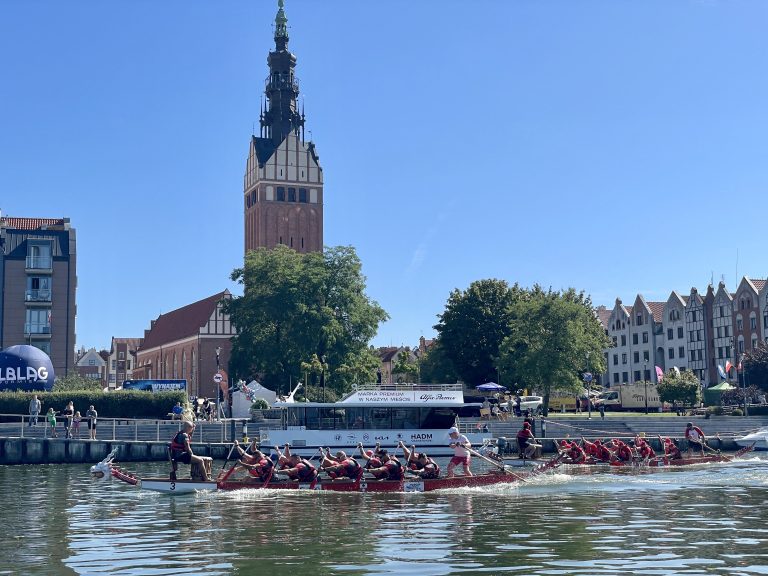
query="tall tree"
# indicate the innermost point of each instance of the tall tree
(436, 367)
(554, 338)
(756, 367)
(474, 324)
(406, 368)
(300, 310)
(683, 388)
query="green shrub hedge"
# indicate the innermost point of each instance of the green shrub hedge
(122, 404)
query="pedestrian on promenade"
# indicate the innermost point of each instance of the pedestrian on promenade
(76, 425)
(34, 410)
(578, 405)
(69, 412)
(51, 417)
(91, 414)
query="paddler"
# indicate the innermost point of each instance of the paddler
(391, 468)
(181, 450)
(622, 451)
(526, 442)
(599, 451)
(461, 446)
(340, 466)
(371, 458)
(573, 453)
(695, 437)
(419, 463)
(258, 464)
(644, 450)
(671, 450)
(297, 468)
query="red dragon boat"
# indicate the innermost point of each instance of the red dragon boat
(666, 461)
(225, 481)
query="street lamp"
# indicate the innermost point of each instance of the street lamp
(743, 383)
(322, 374)
(645, 381)
(218, 354)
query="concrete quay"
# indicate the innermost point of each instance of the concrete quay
(17, 450)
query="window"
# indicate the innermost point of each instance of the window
(754, 342)
(114, 364)
(634, 338)
(699, 353)
(280, 195)
(624, 358)
(719, 351)
(640, 319)
(699, 335)
(121, 355)
(692, 336)
(615, 359)
(719, 331)
(741, 346)
(615, 341)
(636, 357)
(645, 337)
(670, 334)
(625, 377)
(765, 321)
(38, 321)
(753, 322)
(679, 331)
(637, 375)
(291, 194)
(693, 355)
(646, 356)
(38, 289)
(615, 377)
(722, 310)
(727, 331)
(623, 340)
(681, 352)
(303, 195)
(671, 353)
(91, 362)
(739, 324)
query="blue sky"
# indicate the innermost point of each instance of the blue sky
(614, 146)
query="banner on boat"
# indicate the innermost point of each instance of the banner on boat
(25, 368)
(405, 397)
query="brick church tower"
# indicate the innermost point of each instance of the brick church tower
(283, 185)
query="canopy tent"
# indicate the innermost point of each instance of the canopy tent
(491, 387)
(242, 398)
(713, 393)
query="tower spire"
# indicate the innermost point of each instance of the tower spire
(281, 26)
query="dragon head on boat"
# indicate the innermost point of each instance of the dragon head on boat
(103, 470)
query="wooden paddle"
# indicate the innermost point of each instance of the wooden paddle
(499, 465)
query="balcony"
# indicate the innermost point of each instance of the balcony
(38, 263)
(281, 83)
(37, 328)
(37, 296)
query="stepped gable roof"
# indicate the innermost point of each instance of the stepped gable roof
(32, 223)
(183, 322)
(603, 315)
(130, 343)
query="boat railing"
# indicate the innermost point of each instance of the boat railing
(126, 429)
(411, 386)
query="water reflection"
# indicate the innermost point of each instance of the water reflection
(707, 521)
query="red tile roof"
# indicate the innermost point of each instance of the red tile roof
(657, 309)
(181, 323)
(32, 223)
(132, 344)
(387, 353)
(604, 315)
(759, 284)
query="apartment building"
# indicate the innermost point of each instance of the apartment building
(37, 287)
(638, 341)
(122, 360)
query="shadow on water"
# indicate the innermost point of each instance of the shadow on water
(705, 521)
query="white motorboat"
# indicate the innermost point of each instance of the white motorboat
(759, 439)
(417, 414)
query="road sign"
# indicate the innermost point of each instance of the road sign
(217, 377)
(587, 377)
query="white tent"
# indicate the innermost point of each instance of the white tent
(241, 404)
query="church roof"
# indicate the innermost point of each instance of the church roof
(264, 148)
(181, 323)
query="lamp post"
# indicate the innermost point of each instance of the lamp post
(743, 383)
(218, 354)
(645, 381)
(588, 380)
(322, 374)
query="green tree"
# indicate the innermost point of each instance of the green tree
(683, 388)
(298, 307)
(473, 326)
(406, 368)
(436, 367)
(554, 337)
(756, 367)
(74, 381)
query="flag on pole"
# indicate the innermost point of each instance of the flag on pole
(728, 366)
(740, 367)
(677, 370)
(721, 371)
(659, 374)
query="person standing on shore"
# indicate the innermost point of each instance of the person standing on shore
(69, 412)
(91, 414)
(34, 410)
(51, 417)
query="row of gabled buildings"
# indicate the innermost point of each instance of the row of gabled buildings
(699, 332)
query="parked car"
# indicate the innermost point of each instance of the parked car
(531, 403)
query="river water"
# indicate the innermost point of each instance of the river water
(712, 520)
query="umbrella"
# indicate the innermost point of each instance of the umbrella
(490, 387)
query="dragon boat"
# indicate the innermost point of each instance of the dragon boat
(666, 461)
(226, 480)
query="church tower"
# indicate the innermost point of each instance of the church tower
(283, 184)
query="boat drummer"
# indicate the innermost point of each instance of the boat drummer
(181, 450)
(461, 446)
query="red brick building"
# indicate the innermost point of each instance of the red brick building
(186, 344)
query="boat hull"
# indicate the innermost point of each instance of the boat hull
(759, 440)
(176, 486)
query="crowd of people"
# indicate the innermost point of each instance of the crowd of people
(70, 418)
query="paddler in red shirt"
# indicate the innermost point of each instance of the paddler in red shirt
(644, 449)
(671, 450)
(622, 451)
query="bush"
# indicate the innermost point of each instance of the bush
(715, 410)
(259, 404)
(737, 412)
(122, 404)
